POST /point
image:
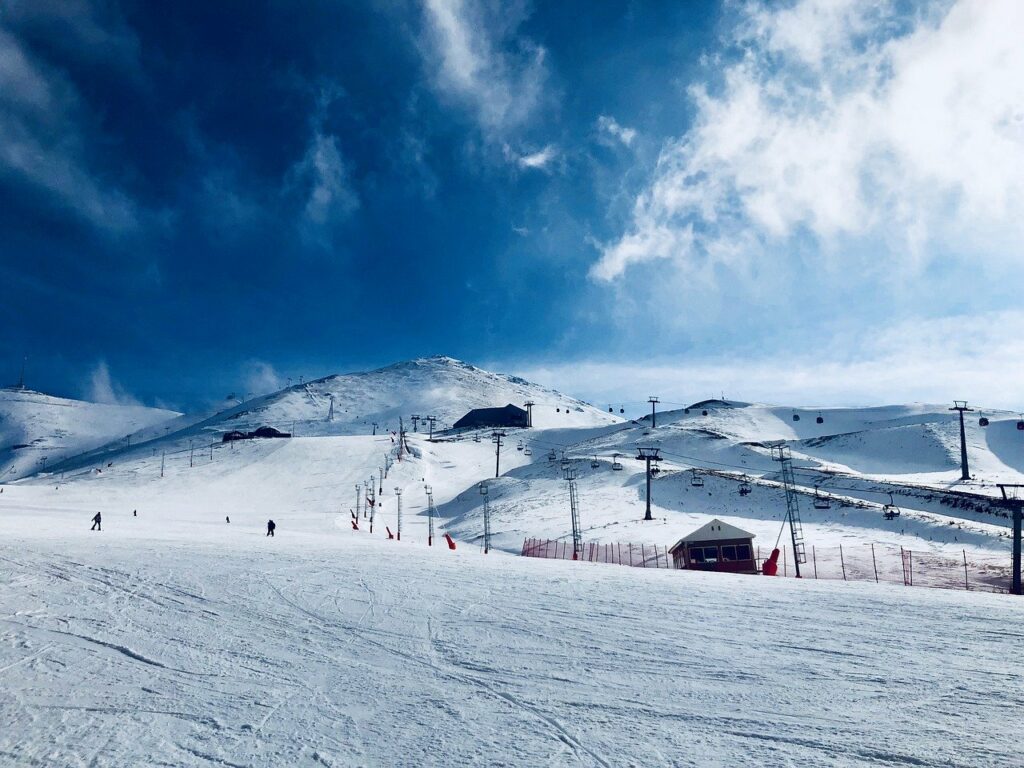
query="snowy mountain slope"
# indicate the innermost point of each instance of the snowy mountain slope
(38, 429)
(438, 386)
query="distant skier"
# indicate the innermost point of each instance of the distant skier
(271, 525)
(135, 513)
(96, 522)
(227, 519)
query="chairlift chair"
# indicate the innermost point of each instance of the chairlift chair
(744, 488)
(520, 446)
(696, 480)
(622, 410)
(476, 438)
(616, 464)
(594, 463)
(552, 456)
(821, 502)
(527, 451)
(796, 417)
(820, 419)
(1020, 424)
(890, 511)
(983, 421)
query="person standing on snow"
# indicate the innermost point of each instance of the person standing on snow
(96, 521)
(271, 525)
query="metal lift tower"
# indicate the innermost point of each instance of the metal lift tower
(1016, 505)
(574, 509)
(781, 454)
(961, 405)
(648, 455)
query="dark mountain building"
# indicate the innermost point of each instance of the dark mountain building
(509, 416)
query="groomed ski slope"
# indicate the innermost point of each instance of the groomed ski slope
(328, 650)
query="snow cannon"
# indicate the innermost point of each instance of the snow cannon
(770, 567)
(450, 540)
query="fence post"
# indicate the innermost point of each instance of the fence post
(965, 571)
(785, 565)
(910, 554)
(643, 557)
(618, 560)
(874, 562)
(842, 561)
(814, 557)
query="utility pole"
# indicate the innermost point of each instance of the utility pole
(648, 455)
(211, 451)
(356, 507)
(487, 518)
(496, 436)
(401, 437)
(430, 515)
(373, 512)
(653, 401)
(380, 473)
(574, 510)
(1016, 505)
(781, 454)
(374, 428)
(529, 413)
(163, 457)
(398, 493)
(431, 420)
(330, 411)
(191, 454)
(415, 422)
(961, 406)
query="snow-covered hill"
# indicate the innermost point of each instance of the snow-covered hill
(37, 430)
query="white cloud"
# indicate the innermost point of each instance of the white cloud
(980, 358)
(477, 58)
(102, 388)
(41, 143)
(611, 126)
(260, 378)
(539, 160)
(321, 178)
(845, 123)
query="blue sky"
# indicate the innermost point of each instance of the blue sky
(814, 202)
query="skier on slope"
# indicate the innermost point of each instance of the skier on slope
(96, 522)
(271, 525)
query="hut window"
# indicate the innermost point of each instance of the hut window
(743, 552)
(729, 552)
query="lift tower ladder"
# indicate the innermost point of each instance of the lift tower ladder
(781, 454)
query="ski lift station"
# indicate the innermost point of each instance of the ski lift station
(716, 546)
(509, 416)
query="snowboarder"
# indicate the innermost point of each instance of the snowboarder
(96, 520)
(271, 525)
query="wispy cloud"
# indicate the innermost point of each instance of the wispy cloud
(611, 127)
(260, 378)
(101, 388)
(845, 122)
(539, 160)
(980, 358)
(43, 143)
(478, 59)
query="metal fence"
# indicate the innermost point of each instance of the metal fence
(635, 555)
(860, 562)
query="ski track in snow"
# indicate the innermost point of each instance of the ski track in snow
(378, 653)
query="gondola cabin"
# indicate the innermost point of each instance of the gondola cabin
(716, 546)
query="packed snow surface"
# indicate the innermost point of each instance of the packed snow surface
(172, 645)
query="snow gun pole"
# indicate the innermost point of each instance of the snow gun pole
(487, 518)
(1016, 505)
(398, 494)
(356, 507)
(430, 515)
(380, 472)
